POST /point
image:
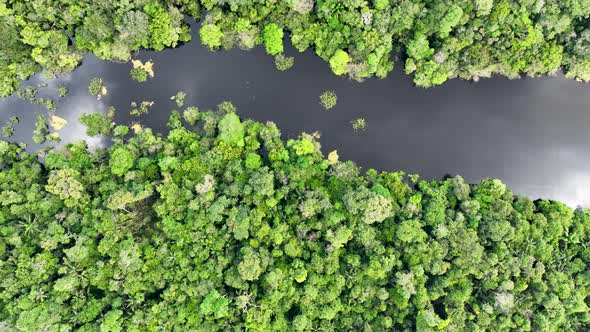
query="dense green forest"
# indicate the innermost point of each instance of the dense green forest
(438, 39)
(223, 226)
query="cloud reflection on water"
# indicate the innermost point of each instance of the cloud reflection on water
(530, 133)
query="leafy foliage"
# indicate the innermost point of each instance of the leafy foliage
(62, 91)
(438, 39)
(328, 99)
(141, 71)
(339, 62)
(41, 130)
(179, 98)
(96, 88)
(283, 62)
(138, 74)
(359, 124)
(143, 107)
(97, 123)
(211, 35)
(225, 227)
(273, 39)
(35, 34)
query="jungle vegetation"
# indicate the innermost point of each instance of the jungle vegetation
(223, 226)
(436, 39)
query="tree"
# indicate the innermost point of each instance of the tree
(41, 130)
(97, 123)
(179, 98)
(138, 74)
(62, 91)
(57, 123)
(339, 62)
(215, 305)
(8, 129)
(273, 39)
(163, 31)
(231, 130)
(251, 266)
(284, 63)
(191, 115)
(328, 99)
(211, 35)
(121, 161)
(65, 185)
(368, 205)
(419, 48)
(143, 108)
(359, 124)
(96, 88)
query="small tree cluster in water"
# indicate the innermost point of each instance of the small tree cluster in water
(141, 71)
(96, 88)
(143, 108)
(8, 129)
(328, 99)
(29, 93)
(283, 62)
(438, 39)
(359, 124)
(227, 227)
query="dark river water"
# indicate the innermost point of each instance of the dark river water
(530, 133)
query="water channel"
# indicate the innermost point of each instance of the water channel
(530, 133)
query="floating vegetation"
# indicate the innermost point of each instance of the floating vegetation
(359, 124)
(41, 130)
(141, 71)
(191, 115)
(54, 137)
(62, 91)
(96, 88)
(8, 129)
(97, 123)
(328, 99)
(179, 98)
(29, 93)
(143, 108)
(283, 62)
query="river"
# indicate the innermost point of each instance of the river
(530, 133)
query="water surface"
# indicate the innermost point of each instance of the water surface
(530, 133)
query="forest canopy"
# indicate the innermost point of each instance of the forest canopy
(437, 39)
(223, 226)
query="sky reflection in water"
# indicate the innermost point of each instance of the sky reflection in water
(531, 133)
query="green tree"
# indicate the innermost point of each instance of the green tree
(65, 185)
(41, 130)
(138, 74)
(273, 39)
(121, 160)
(283, 62)
(97, 123)
(211, 35)
(339, 62)
(231, 130)
(96, 88)
(328, 99)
